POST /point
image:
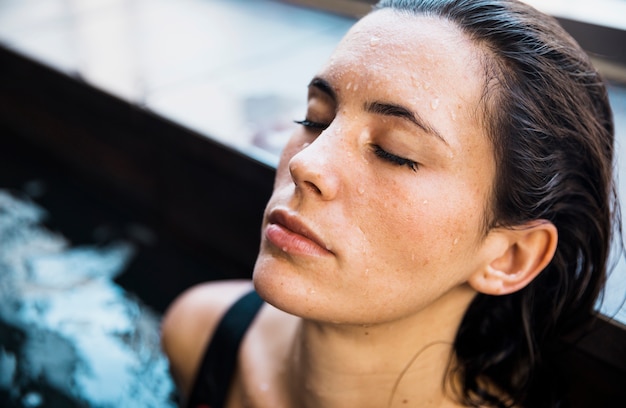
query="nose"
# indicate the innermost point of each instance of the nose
(315, 168)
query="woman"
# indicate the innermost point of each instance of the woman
(440, 219)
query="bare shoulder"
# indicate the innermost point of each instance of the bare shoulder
(189, 322)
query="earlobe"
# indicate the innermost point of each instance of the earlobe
(521, 254)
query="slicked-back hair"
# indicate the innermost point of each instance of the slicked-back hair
(547, 114)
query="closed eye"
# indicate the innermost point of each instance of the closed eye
(379, 151)
(392, 158)
(309, 124)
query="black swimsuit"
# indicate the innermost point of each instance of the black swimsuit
(220, 359)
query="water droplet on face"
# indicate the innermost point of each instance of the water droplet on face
(348, 86)
(356, 87)
(456, 241)
(367, 271)
(374, 41)
(434, 103)
(360, 189)
(426, 85)
(311, 291)
(306, 144)
(453, 115)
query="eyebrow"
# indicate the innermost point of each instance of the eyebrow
(323, 86)
(390, 109)
(382, 108)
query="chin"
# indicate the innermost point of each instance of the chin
(279, 286)
(269, 278)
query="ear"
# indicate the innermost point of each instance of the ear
(518, 255)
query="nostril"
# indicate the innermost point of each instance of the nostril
(308, 178)
(312, 187)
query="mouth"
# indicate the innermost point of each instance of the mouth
(289, 234)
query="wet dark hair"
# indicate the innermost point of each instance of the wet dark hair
(547, 113)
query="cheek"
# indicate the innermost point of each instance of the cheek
(437, 224)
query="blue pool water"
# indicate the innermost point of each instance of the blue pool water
(69, 335)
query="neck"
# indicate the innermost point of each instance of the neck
(400, 363)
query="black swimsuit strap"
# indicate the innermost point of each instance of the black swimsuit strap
(220, 359)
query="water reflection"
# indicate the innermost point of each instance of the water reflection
(70, 336)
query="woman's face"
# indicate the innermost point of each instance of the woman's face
(381, 193)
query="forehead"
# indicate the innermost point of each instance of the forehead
(419, 61)
(389, 43)
(389, 32)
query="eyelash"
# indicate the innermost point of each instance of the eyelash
(311, 125)
(379, 151)
(392, 158)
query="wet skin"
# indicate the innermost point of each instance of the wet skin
(380, 195)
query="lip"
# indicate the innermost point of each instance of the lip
(290, 234)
